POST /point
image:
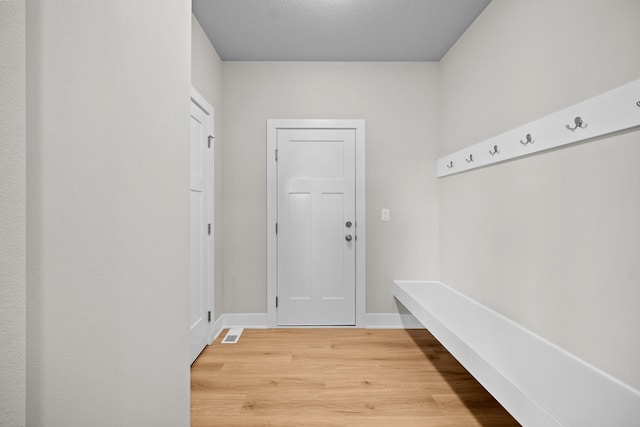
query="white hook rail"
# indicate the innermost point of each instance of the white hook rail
(612, 111)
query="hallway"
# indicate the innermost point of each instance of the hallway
(349, 377)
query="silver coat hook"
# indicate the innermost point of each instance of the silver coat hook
(529, 140)
(494, 151)
(470, 159)
(579, 124)
(450, 164)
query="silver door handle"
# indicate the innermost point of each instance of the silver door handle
(348, 237)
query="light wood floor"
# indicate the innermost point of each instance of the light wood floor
(337, 377)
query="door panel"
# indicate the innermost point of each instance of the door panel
(199, 238)
(332, 261)
(316, 160)
(299, 252)
(316, 197)
(197, 270)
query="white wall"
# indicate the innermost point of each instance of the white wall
(553, 240)
(108, 212)
(13, 214)
(399, 102)
(206, 77)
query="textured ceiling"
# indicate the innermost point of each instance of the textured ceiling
(335, 30)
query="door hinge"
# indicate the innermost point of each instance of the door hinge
(276, 228)
(276, 302)
(276, 154)
(209, 141)
(209, 229)
(209, 316)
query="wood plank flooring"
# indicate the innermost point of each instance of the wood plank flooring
(337, 377)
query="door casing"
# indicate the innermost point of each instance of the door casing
(272, 209)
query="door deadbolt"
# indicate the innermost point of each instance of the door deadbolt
(348, 237)
(348, 224)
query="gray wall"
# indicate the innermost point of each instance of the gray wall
(108, 213)
(13, 214)
(552, 241)
(399, 102)
(206, 77)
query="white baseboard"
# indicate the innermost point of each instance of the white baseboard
(259, 321)
(237, 320)
(391, 321)
(245, 320)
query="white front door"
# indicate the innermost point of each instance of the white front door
(316, 238)
(200, 275)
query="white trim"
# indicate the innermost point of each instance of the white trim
(216, 328)
(272, 214)
(202, 103)
(392, 321)
(245, 320)
(539, 383)
(240, 320)
(207, 108)
(612, 111)
(259, 321)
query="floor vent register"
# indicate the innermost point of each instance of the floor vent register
(233, 335)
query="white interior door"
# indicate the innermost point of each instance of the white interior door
(200, 194)
(316, 227)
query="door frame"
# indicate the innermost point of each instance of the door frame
(272, 209)
(207, 108)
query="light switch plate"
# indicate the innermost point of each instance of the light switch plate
(385, 215)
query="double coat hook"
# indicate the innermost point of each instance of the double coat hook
(494, 151)
(470, 159)
(450, 164)
(578, 124)
(528, 140)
